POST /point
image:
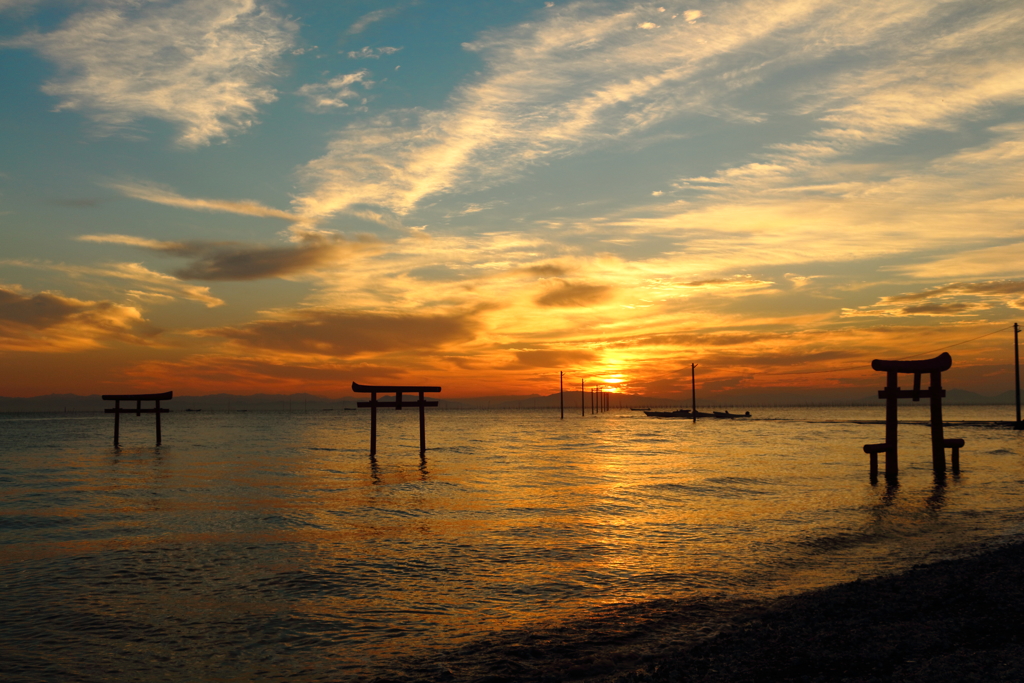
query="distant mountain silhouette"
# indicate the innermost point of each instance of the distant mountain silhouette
(311, 402)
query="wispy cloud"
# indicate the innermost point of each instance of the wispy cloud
(368, 52)
(201, 65)
(8, 5)
(580, 77)
(160, 195)
(372, 17)
(155, 286)
(954, 299)
(1003, 260)
(334, 93)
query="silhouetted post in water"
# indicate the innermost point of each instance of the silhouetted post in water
(583, 400)
(1016, 368)
(397, 404)
(693, 390)
(138, 410)
(561, 396)
(892, 393)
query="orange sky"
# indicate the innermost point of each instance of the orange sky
(232, 197)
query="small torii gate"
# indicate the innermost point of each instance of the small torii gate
(892, 392)
(138, 409)
(397, 404)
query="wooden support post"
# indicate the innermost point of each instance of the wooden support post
(938, 442)
(583, 400)
(117, 423)
(561, 396)
(158, 435)
(373, 424)
(693, 391)
(892, 461)
(423, 429)
(1016, 369)
(873, 456)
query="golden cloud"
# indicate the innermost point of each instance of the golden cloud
(51, 322)
(347, 334)
(554, 358)
(955, 298)
(237, 261)
(564, 293)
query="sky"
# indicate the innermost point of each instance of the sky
(246, 197)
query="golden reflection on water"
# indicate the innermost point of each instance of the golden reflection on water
(283, 523)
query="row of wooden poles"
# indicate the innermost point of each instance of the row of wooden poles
(600, 400)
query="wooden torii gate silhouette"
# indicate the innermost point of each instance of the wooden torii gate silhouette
(397, 404)
(138, 409)
(935, 393)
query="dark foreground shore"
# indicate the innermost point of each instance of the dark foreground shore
(955, 620)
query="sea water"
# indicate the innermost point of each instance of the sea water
(271, 545)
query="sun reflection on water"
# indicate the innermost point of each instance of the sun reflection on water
(269, 532)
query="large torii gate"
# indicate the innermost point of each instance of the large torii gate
(397, 404)
(934, 367)
(138, 410)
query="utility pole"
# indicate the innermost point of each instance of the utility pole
(1016, 366)
(693, 390)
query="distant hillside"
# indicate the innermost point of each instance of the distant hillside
(960, 397)
(310, 403)
(93, 403)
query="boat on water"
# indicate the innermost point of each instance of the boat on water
(693, 413)
(725, 415)
(729, 416)
(676, 413)
(668, 413)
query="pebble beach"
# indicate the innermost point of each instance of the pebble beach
(953, 620)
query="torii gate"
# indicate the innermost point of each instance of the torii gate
(397, 404)
(138, 410)
(934, 367)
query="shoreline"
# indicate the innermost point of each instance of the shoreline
(952, 620)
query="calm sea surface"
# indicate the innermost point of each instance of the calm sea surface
(265, 546)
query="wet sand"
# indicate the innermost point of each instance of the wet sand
(955, 620)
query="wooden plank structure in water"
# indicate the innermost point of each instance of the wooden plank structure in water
(397, 404)
(934, 367)
(138, 410)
